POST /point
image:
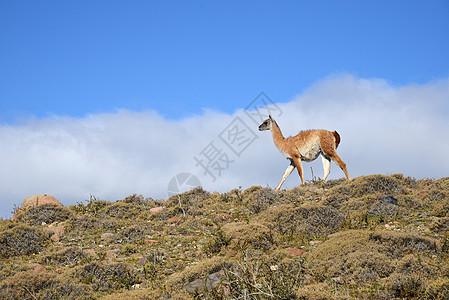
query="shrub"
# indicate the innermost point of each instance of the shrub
(90, 223)
(21, 240)
(406, 286)
(129, 248)
(440, 225)
(188, 202)
(257, 198)
(32, 285)
(316, 291)
(70, 256)
(383, 211)
(132, 234)
(120, 210)
(142, 294)
(136, 200)
(363, 255)
(92, 206)
(217, 241)
(362, 186)
(242, 235)
(438, 289)
(203, 268)
(309, 219)
(46, 213)
(107, 277)
(259, 277)
(398, 244)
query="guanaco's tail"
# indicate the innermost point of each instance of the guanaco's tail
(337, 138)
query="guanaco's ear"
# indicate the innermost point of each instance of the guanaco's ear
(270, 117)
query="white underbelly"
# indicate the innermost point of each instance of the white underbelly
(310, 151)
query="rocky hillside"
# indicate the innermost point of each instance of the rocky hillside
(376, 237)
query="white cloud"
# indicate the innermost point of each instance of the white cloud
(384, 129)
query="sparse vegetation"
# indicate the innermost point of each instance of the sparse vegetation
(375, 237)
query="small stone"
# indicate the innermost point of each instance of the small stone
(156, 209)
(389, 200)
(314, 243)
(174, 219)
(56, 231)
(110, 255)
(91, 252)
(205, 282)
(37, 268)
(106, 236)
(296, 251)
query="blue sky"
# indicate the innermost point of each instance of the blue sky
(110, 98)
(178, 57)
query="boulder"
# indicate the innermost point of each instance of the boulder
(35, 201)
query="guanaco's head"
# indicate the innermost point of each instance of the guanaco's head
(266, 125)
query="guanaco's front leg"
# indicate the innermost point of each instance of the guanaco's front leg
(298, 165)
(287, 173)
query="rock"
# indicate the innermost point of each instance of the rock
(314, 243)
(208, 282)
(106, 235)
(110, 255)
(37, 268)
(389, 200)
(35, 201)
(156, 209)
(174, 219)
(91, 253)
(56, 231)
(296, 251)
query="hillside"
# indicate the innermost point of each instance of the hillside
(377, 237)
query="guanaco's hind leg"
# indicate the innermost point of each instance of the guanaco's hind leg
(341, 164)
(326, 165)
(287, 173)
(330, 151)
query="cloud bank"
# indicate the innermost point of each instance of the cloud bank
(384, 129)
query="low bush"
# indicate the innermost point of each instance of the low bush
(203, 268)
(363, 256)
(379, 185)
(259, 277)
(316, 291)
(257, 199)
(256, 236)
(70, 256)
(132, 234)
(120, 210)
(43, 285)
(306, 219)
(21, 240)
(106, 278)
(46, 213)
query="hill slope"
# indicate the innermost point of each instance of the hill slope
(373, 237)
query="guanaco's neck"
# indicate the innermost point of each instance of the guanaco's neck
(278, 138)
